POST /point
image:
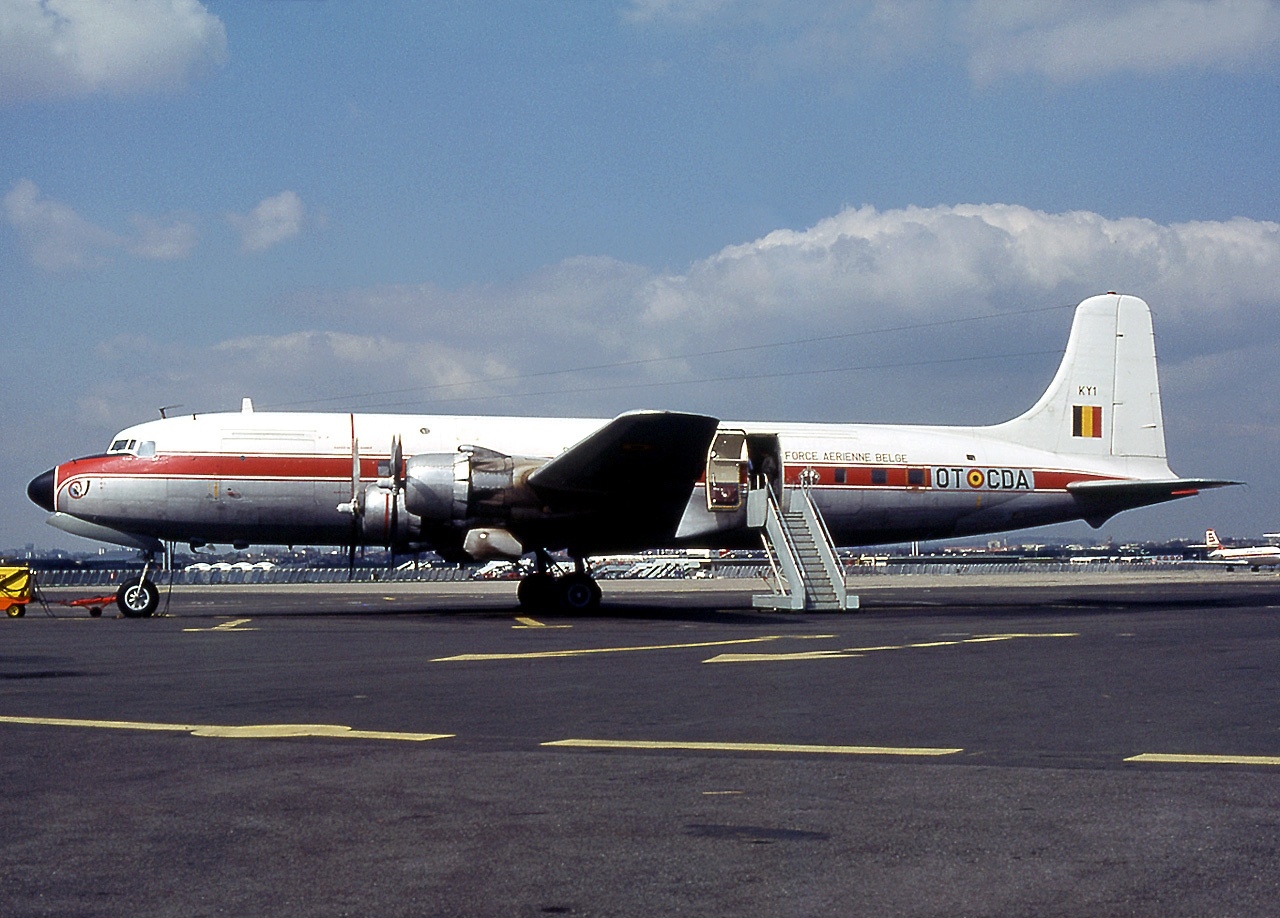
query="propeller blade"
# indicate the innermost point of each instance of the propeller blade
(397, 463)
(397, 487)
(354, 505)
(355, 470)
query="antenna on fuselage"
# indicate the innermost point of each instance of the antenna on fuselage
(164, 408)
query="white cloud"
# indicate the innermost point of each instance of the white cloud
(1065, 41)
(871, 293)
(914, 262)
(163, 240)
(678, 10)
(636, 337)
(57, 238)
(275, 220)
(56, 48)
(1073, 41)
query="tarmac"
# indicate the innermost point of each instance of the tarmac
(987, 744)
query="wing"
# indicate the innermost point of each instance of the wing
(631, 479)
(1102, 500)
(637, 455)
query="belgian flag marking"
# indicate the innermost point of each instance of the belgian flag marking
(1086, 421)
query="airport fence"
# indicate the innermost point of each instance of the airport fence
(112, 578)
(279, 575)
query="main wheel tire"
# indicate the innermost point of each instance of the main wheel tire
(537, 591)
(137, 598)
(578, 593)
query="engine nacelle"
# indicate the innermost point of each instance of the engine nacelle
(473, 483)
(437, 486)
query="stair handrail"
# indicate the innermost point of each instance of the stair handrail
(776, 583)
(796, 585)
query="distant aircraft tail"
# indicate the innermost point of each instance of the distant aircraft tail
(1211, 540)
(1104, 400)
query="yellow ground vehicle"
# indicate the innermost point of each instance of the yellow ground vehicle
(16, 588)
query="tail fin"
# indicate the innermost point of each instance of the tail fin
(1105, 398)
(1211, 539)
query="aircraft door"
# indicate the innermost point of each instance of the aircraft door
(727, 471)
(764, 454)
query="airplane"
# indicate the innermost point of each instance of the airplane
(1255, 556)
(482, 487)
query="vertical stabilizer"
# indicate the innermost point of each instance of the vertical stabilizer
(1105, 398)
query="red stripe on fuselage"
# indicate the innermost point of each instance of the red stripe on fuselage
(860, 476)
(230, 465)
(226, 466)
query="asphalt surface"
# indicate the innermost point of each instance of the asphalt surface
(979, 746)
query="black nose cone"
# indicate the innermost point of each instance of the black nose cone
(40, 490)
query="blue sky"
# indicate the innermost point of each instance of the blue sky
(423, 207)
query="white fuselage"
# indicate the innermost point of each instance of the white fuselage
(254, 478)
(1258, 556)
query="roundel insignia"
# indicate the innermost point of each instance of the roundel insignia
(976, 478)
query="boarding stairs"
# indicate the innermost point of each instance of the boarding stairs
(806, 573)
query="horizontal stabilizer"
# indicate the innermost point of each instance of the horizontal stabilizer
(1101, 500)
(637, 457)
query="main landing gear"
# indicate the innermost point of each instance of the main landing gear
(544, 591)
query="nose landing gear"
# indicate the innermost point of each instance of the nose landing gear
(139, 597)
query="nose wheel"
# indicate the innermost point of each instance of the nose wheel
(137, 598)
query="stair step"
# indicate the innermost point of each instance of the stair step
(807, 548)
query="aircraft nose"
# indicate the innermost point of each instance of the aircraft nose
(40, 490)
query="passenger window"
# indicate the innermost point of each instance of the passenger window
(840, 476)
(915, 477)
(879, 476)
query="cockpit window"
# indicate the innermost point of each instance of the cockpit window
(147, 448)
(125, 446)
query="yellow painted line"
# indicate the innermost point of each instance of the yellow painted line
(1206, 759)
(980, 639)
(854, 652)
(526, 622)
(548, 654)
(777, 657)
(251, 731)
(233, 625)
(753, 747)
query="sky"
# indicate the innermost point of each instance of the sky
(840, 210)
